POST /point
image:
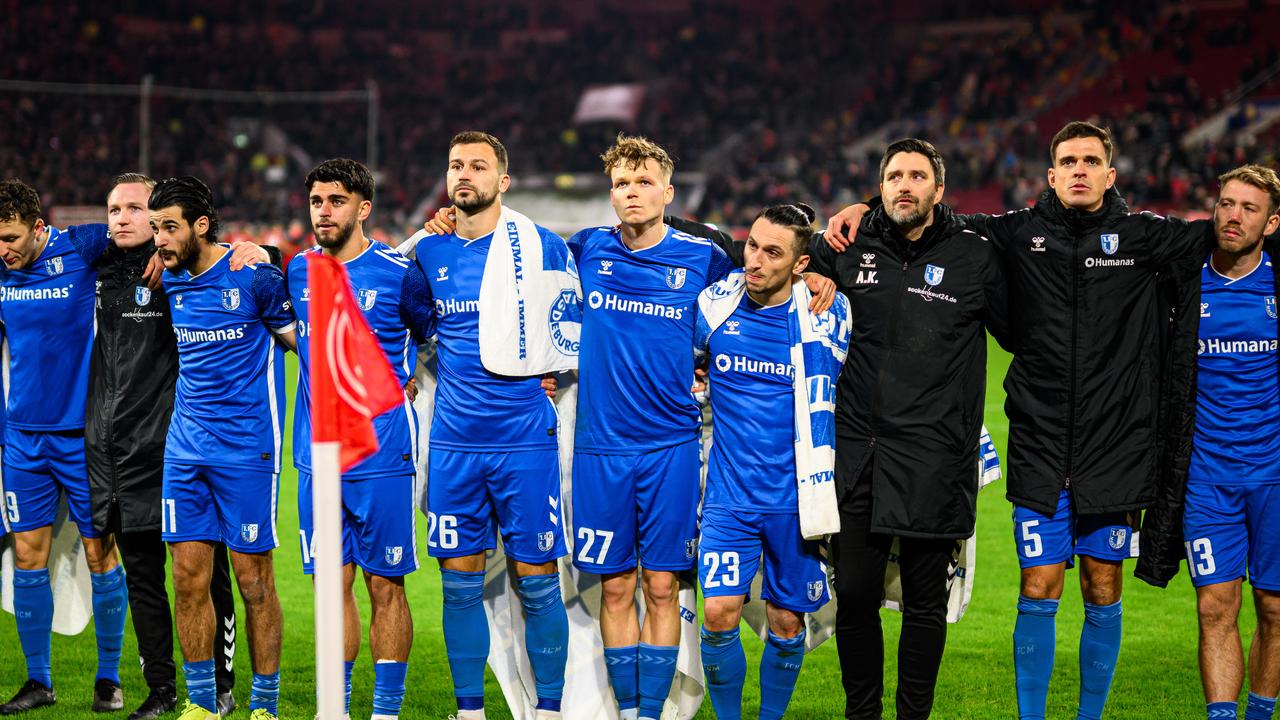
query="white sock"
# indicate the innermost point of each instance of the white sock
(629, 714)
(547, 715)
(471, 714)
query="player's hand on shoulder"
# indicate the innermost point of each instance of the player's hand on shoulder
(246, 254)
(411, 389)
(549, 385)
(843, 226)
(155, 269)
(442, 223)
(699, 381)
(823, 292)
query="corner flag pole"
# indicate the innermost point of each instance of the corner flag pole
(326, 507)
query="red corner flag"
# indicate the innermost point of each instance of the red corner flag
(351, 380)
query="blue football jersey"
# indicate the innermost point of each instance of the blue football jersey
(393, 295)
(47, 309)
(476, 410)
(1237, 399)
(635, 368)
(229, 406)
(753, 458)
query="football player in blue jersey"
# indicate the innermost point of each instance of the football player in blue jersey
(222, 454)
(1231, 523)
(47, 309)
(750, 511)
(378, 494)
(636, 458)
(493, 458)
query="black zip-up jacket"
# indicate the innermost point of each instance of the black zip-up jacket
(133, 369)
(1088, 334)
(1161, 537)
(910, 396)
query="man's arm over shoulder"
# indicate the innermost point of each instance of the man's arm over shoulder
(822, 259)
(1000, 230)
(271, 298)
(89, 241)
(417, 306)
(722, 239)
(995, 297)
(1174, 242)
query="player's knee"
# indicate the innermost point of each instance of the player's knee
(190, 578)
(720, 614)
(618, 593)
(1267, 604)
(660, 589)
(1038, 585)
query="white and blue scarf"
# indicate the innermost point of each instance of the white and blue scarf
(818, 347)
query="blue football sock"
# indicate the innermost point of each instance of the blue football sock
(1034, 636)
(1221, 711)
(347, 667)
(110, 603)
(624, 676)
(725, 665)
(265, 693)
(33, 608)
(202, 684)
(466, 635)
(1099, 649)
(779, 669)
(546, 636)
(1259, 708)
(388, 686)
(657, 667)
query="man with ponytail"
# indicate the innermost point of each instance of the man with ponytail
(749, 324)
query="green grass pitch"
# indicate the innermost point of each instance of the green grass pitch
(1157, 675)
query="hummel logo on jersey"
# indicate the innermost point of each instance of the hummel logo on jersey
(868, 260)
(605, 267)
(53, 266)
(231, 298)
(1110, 243)
(1271, 306)
(177, 301)
(732, 327)
(933, 274)
(142, 296)
(306, 294)
(866, 277)
(675, 278)
(366, 298)
(442, 273)
(1204, 310)
(1037, 243)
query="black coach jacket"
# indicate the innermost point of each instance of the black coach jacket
(132, 372)
(910, 396)
(1088, 337)
(1161, 538)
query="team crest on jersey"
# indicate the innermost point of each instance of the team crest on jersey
(1271, 306)
(249, 531)
(675, 278)
(53, 266)
(933, 274)
(1116, 537)
(691, 548)
(564, 321)
(142, 296)
(815, 590)
(546, 540)
(732, 327)
(366, 298)
(231, 298)
(394, 554)
(1110, 243)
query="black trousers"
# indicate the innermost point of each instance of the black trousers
(860, 557)
(144, 555)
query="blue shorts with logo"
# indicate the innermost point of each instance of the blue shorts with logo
(233, 506)
(730, 549)
(1231, 529)
(629, 508)
(1052, 539)
(378, 529)
(38, 468)
(472, 494)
